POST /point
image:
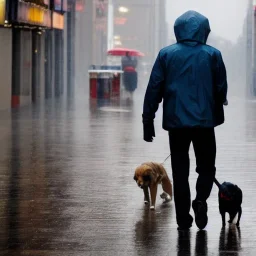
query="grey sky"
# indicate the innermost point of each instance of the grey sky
(226, 16)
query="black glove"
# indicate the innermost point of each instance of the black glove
(148, 131)
(225, 103)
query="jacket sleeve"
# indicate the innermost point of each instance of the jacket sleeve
(154, 92)
(220, 81)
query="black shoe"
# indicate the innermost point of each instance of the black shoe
(186, 225)
(200, 209)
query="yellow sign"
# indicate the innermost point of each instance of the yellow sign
(35, 15)
(2, 11)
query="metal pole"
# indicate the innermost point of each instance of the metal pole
(70, 49)
(110, 24)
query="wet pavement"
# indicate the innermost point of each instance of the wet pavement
(67, 188)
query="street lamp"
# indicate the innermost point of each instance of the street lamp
(123, 9)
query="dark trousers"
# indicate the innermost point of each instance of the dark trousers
(130, 80)
(204, 144)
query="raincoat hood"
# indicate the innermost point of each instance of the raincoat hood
(192, 26)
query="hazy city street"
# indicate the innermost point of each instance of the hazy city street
(73, 79)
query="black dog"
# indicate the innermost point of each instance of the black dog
(230, 200)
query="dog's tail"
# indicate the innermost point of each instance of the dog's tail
(217, 183)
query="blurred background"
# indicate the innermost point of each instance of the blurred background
(48, 46)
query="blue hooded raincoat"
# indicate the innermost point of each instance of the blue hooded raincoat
(190, 77)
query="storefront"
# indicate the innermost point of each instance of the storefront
(54, 51)
(29, 21)
(6, 58)
(58, 26)
(32, 50)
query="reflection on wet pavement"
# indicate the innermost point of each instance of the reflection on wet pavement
(67, 184)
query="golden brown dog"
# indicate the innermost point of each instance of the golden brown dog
(148, 176)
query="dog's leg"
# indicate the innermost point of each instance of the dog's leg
(223, 219)
(239, 216)
(232, 216)
(167, 187)
(146, 195)
(153, 192)
(164, 195)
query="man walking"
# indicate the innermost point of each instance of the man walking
(190, 77)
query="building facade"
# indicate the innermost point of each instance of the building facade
(33, 46)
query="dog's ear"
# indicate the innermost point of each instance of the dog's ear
(135, 178)
(146, 178)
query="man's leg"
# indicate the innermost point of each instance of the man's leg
(205, 151)
(179, 145)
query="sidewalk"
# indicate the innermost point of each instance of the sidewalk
(67, 183)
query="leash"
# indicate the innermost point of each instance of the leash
(217, 183)
(166, 159)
